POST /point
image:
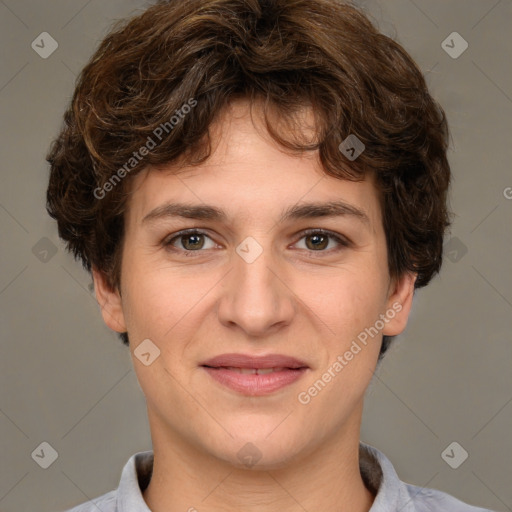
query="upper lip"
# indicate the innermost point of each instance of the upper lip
(247, 361)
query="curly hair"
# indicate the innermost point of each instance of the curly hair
(288, 53)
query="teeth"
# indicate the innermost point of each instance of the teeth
(267, 370)
(254, 371)
(248, 371)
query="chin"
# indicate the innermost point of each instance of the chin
(261, 451)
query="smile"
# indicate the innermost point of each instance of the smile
(254, 371)
(255, 381)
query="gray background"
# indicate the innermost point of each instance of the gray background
(67, 380)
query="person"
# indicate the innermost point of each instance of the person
(257, 187)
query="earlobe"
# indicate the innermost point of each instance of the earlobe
(399, 304)
(109, 301)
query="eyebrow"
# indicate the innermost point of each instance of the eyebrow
(296, 212)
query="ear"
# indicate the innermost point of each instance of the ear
(401, 292)
(109, 301)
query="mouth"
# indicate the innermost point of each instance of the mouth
(255, 375)
(251, 371)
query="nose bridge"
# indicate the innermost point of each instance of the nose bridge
(256, 298)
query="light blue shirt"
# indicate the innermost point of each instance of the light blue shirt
(379, 475)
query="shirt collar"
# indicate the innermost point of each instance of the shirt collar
(134, 479)
(376, 469)
(380, 476)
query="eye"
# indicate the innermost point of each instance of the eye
(317, 240)
(191, 240)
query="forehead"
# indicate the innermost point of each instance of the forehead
(248, 174)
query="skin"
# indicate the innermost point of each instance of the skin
(294, 299)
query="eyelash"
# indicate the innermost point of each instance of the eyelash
(167, 243)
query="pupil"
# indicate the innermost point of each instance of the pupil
(316, 239)
(195, 241)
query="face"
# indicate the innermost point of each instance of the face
(266, 277)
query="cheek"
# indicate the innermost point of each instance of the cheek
(150, 304)
(164, 304)
(351, 298)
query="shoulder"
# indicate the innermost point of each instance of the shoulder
(105, 503)
(432, 500)
(128, 495)
(392, 493)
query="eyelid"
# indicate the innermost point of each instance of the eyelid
(339, 238)
(167, 241)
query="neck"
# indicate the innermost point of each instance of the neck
(189, 479)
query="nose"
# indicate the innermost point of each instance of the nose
(255, 295)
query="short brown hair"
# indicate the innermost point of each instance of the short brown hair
(289, 53)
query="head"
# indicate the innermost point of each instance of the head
(246, 106)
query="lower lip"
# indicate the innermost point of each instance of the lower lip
(253, 384)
